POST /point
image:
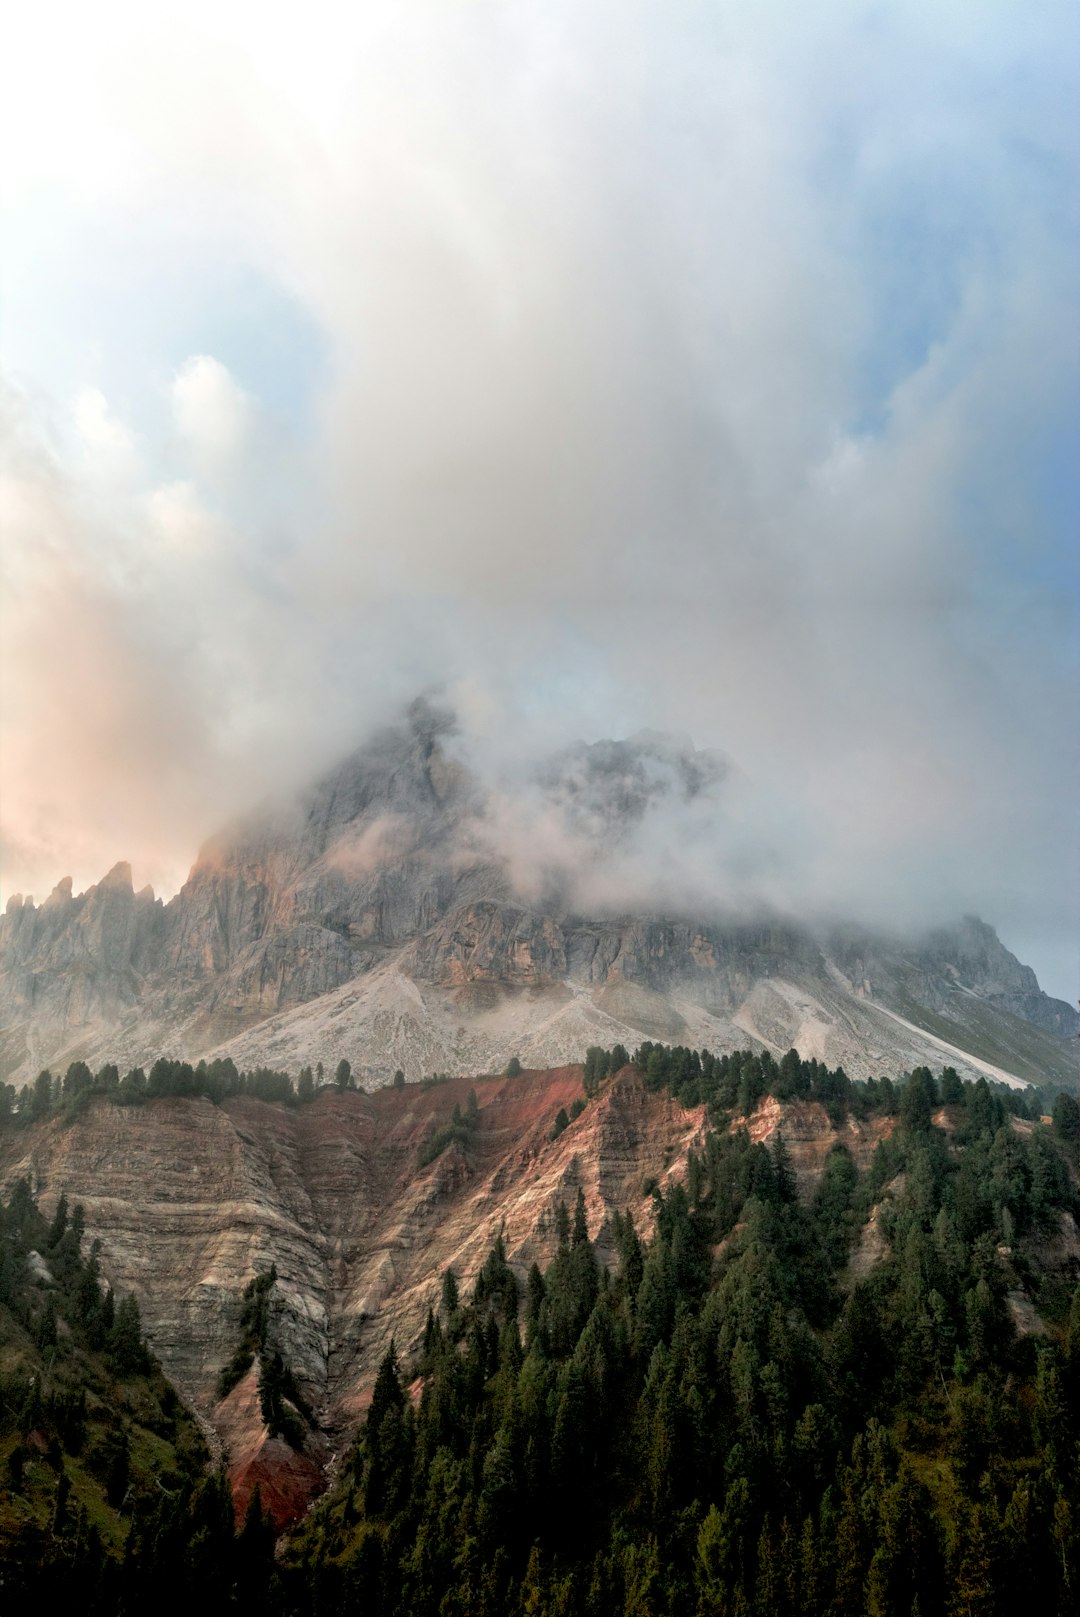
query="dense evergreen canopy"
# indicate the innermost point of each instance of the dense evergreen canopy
(730, 1422)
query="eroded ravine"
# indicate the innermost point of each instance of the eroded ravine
(190, 1201)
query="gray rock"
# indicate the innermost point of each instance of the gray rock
(379, 868)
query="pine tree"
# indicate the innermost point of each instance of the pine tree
(126, 1337)
(388, 1393)
(534, 1299)
(1066, 1115)
(952, 1090)
(59, 1224)
(919, 1099)
(450, 1297)
(41, 1096)
(786, 1186)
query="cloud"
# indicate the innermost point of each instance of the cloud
(109, 448)
(212, 413)
(133, 649)
(387, 839)
(690, 368)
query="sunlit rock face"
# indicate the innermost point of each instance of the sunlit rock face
(401, 915)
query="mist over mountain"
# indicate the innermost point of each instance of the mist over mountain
(405, 911)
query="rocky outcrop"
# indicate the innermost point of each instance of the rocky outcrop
(809, 1135)
(968, 958)
(973, 959)
(72, 963)
(961, 985)
(492, 943)
(284, 906)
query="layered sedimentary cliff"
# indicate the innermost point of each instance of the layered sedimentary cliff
(191, 1201)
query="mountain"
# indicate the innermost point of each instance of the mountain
(404, 914)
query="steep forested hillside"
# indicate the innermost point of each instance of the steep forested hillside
(107, 1500)
(733, 1422)
(846, 1391)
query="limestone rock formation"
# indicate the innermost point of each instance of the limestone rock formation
(73, 963)
(380, 917)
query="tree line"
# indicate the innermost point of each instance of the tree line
(217, 1080)
(735, 1083)
(52, 1094)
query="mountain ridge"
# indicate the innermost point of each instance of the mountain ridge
(378, 917)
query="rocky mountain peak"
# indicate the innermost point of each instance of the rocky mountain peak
(118, 879)
(60, 895)
(382, 915)
(401, 773)
(607, 788)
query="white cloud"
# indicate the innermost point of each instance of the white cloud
(212, 412)
(109, 448)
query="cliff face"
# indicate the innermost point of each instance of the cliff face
(191, 1201)
(283, 908)
(72, 963)
(375, 918)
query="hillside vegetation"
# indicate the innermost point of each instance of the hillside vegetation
(858, 1392)
(729, 1423)
(107, 1500)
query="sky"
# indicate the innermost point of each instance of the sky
(704, 368)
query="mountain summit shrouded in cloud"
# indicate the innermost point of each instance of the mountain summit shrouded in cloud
(411, 910)
(705, 370)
